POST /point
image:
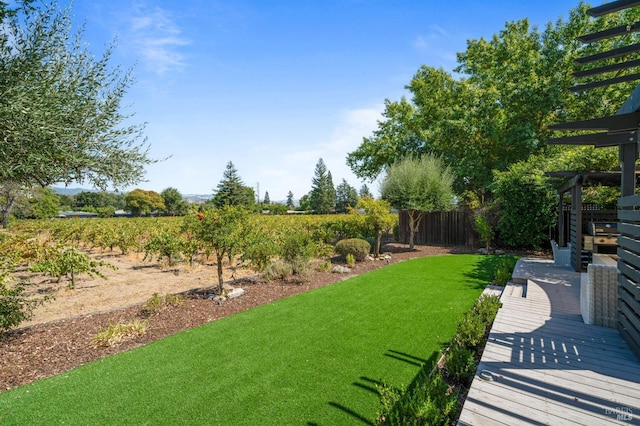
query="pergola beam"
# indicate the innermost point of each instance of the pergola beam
(597, 139)
(612, 7)
(611, 32)
(613, 123)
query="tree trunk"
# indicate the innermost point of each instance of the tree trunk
(376, 248)
(219, 259)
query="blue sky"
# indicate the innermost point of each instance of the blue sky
(273, 86)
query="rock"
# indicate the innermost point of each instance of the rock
(236, 292)
(483, 251)
(339, 269)
(500, 252)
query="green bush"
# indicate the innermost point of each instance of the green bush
(504, 271)
(460, 363)
(430, 402)
(277, 270)
(357, 247)
(351, 261)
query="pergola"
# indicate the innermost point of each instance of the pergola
(621, 130)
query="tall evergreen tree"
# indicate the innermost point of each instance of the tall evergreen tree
(322, 198)
(231, 191)
(365, 192)
(266, 200)
(346, 196)
(290, 204)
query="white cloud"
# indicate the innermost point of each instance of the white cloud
(157, 39)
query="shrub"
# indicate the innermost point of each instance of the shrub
(14, 307)
(297, 245)
(277, 270)
(119, 332)
(357, 247)
(506, 264)
(351, 261)
(430, 402)
(325, 266)
(460, 364)
(157, 302)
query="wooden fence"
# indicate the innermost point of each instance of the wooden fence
(629, 268)
(454, 227)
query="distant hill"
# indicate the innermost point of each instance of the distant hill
(71, 191)
(192, 198)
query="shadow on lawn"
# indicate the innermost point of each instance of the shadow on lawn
(370, 385)
(485, 270)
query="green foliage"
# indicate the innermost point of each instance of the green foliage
(60, 118)
(512, 86)
(346, 197)
(277, 209)
(430, 402)
(37, 203)
(15, 306)
(351, 261)
(356, 247)
(460, 363)
(231, 190)
(69, 261)
(222, 231)
(174, 205)
(140, 202)
(527, 204)
(474, 326)
(418, 185)
(296, 245)
(485, 229)
(325, 266)
(504, 270)
(290, 204)
(322, 198)
(167, 245)
(377, 218)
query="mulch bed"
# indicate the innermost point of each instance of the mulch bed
(44, 350)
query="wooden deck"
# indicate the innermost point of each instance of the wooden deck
(547, 366)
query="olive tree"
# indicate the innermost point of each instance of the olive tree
(60, 107)
(418, 185)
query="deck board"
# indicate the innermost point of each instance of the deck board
(550, 367)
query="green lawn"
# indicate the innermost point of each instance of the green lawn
(310, 359)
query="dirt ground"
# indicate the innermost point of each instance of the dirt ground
(60, 336)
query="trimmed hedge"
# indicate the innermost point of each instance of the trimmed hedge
(357, 247)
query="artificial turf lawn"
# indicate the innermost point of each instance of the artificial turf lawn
(310, 359)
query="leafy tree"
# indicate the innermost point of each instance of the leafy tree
(277, 208)
(60, 107)
(222, 231)
(377, 217)
(174, 205)
(290, 204)
(40, 203)
(365, 192)
(305, 203)
(346, 197)
(527, 204)
(9, 195)
(99, 199)
(418, 185)
(231, 190)
(141, 202)
(496, 113)
(322, 197)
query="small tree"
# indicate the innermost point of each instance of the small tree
(377, 218)
(221, 231)
(418, 185)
